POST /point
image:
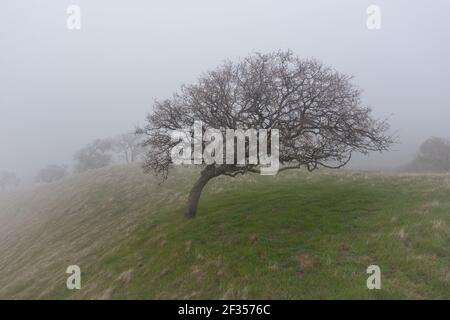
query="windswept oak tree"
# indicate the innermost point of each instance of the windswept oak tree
(317, 110)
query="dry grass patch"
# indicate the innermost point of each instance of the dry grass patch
(306, 262)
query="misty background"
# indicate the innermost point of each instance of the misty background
(61, 88)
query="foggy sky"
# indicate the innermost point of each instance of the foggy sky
(61, 88)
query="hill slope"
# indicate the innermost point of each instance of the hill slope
(296, 235)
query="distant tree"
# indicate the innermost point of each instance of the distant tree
(317, 110)
(128, 146)
(433, 156)
(97, 154)
(8, 180)
(51, 173)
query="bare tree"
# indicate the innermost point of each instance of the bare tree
(317, 110)
(95, 155)
(8, 180)
(128, 146)
(51, 173)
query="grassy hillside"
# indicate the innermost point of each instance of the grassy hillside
(296, 235)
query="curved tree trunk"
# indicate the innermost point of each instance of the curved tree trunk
(196, 191)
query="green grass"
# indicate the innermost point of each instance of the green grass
(297, 235)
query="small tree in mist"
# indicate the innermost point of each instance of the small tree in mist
(96, 155)
(51, 173)
(433, 156)
(317, 110)
(8, 180)
(128, 146)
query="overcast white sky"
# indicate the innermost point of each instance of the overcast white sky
(59, 88)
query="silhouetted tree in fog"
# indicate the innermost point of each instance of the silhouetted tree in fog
(8, 180)
(433, 156)
(128, 146)
(97, 154)
(51, 173)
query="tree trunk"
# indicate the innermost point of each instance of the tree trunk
(196, 191)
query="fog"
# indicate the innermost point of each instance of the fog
(61, 88)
